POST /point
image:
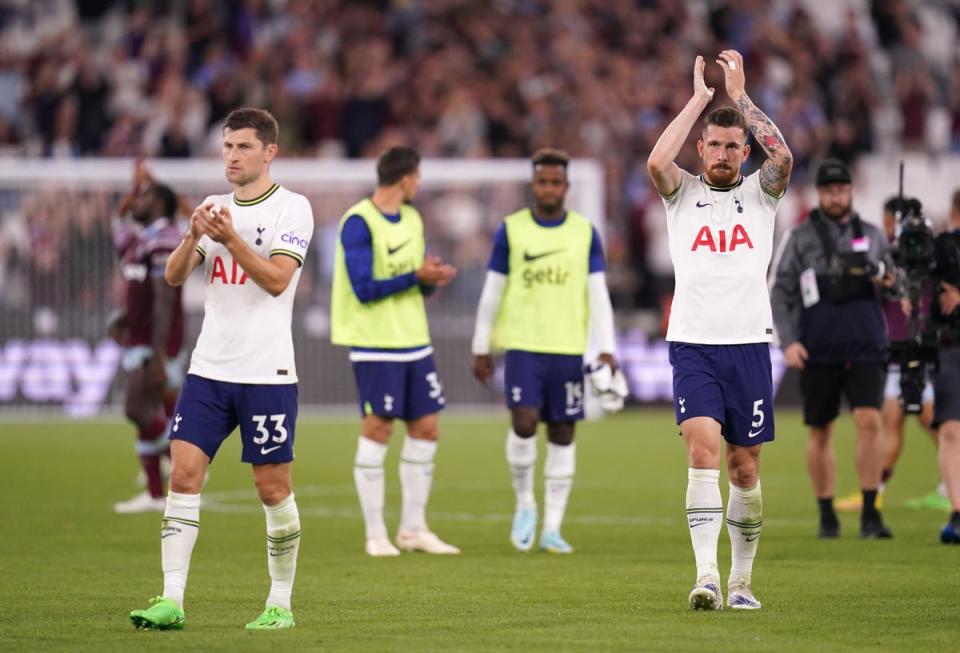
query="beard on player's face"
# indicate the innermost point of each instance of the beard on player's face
(721, 173)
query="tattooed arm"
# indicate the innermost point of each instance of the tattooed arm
(775, 171)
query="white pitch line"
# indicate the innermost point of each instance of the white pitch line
(221, 502)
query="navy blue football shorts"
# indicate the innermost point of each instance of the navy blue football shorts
(553, 383)
(733, 384)
(208, 411)
(399, 389)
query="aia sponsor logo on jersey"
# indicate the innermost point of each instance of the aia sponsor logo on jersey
(236, 276)
(721, 240)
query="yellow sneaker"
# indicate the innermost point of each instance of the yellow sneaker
(853, 502)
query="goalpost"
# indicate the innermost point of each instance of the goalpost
(59, 282)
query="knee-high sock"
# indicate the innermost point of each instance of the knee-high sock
(558, 473)
(368, 476)
(283, 544)
(522, 457)
(178, 535)
(416, 477)
(744, 519)
(704, 518)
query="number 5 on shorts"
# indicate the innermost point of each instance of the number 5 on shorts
(261, 420)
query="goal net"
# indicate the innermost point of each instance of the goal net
(59, 277)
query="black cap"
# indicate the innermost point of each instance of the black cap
(833, 171)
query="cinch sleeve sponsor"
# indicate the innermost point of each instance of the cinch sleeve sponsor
(294, 231)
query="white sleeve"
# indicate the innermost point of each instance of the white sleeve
(601, 313)
(673, 199)
(487, 310)
(294, 230)
(203, 245)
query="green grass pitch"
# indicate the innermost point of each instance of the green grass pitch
(72, 570)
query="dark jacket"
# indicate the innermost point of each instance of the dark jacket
(851, 331)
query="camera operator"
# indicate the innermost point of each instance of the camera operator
(946, 381)
(830, 325)
(896, 311)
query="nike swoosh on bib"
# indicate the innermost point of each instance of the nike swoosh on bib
(393, 250)
(528, 257)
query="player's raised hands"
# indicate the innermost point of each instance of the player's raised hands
(733, 76)
(141, 176)
(434, 272)
(221, 225)
(700, 88)
(200, 220)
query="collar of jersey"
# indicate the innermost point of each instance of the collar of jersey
(549, 224)
(722, 189)
(257, 200)
(392, 218)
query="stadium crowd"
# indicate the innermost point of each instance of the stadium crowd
(455, 78)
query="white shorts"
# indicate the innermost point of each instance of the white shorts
(892, 389)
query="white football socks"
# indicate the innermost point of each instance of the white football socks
(558, 473)
(704, 518)
(521, 457)
(283, 544)
(744, 519)
(368, 476)
(416, 477)
(178, 535)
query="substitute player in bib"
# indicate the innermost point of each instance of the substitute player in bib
(544, 259)
(380, 276)
(720, 228)
(251, 244)
(150, 327)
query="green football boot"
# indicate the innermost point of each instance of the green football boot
(272, 619)
(163, 614)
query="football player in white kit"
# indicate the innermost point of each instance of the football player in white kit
(720, 228)
(251, 244)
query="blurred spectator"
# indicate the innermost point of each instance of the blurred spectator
(469, 79)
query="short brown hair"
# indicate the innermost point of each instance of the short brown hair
(550, 156)
(725, 117)
(259, 120)
(395, 164)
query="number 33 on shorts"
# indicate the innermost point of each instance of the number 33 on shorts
(277, 435)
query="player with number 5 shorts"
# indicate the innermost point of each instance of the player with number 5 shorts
(251, 245)
(380, 276)
(720, 227)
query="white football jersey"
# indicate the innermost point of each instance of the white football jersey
(245, 337)
(721, 241)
